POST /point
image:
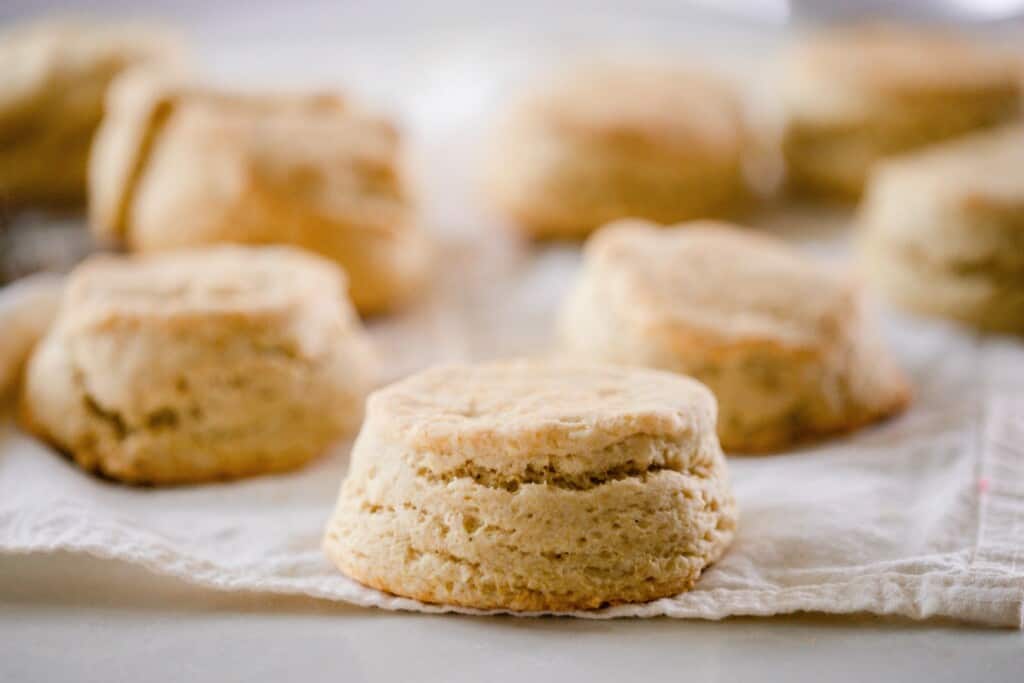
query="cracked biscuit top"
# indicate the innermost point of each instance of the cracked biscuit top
(510, 415)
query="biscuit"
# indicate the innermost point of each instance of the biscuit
(27, 309)
(199, 365)
(56, 73)
(181, 166)
(783, 342)
(524, 485)
(856, 94)
(620, 141)
(943, 230)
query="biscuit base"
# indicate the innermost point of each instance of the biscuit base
(522, 601)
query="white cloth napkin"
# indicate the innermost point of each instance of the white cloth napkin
(922, 516)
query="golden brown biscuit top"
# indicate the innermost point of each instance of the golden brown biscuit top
(503, 412)
(190, 285)
(902, 60)
(719, 284)
(663, 108)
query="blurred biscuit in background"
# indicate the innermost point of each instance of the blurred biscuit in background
(177, 165)
(782, 341)
(852, 95)
(199, 365)
(55, 77)
(613, 141)
(943, 230)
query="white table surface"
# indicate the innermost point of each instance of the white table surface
(65, 618)
(71, 618)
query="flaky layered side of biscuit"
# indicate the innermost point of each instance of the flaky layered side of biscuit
(199, 366)
(784, 345)
(179, 166)
(527, 486)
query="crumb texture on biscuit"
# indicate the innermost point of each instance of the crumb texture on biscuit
(530, 498)
(782, 341)
(197, 366)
